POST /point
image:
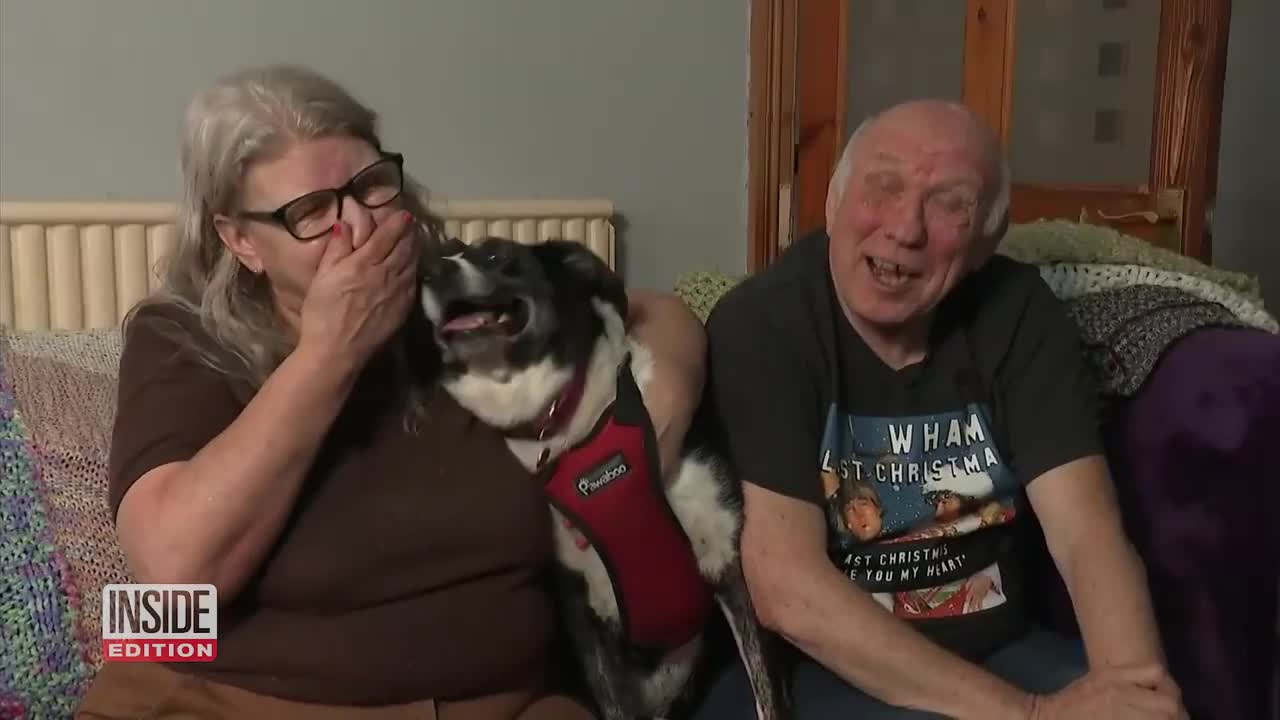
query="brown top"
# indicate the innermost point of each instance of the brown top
(411, 567)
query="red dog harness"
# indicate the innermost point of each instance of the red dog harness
(610, 487)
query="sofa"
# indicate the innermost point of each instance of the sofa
(1188, 446)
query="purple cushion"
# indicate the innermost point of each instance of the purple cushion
(1194, 458)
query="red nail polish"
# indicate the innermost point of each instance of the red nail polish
(408, 216)
(337, 228)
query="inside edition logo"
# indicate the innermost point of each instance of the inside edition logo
(159, 623)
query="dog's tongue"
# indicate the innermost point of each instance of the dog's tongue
(469, 321)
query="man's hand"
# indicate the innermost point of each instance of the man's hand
(1124, 693)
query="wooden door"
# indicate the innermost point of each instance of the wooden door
(1108, 109)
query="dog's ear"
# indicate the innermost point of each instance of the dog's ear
(576, 268)
(449, 246)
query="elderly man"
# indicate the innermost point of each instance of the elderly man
(894, 395)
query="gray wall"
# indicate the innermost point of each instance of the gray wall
(640, 102)
(1246, 222)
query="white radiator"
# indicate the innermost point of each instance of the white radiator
(72, 266)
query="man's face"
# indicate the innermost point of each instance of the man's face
(905, 231)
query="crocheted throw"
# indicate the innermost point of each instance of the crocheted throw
(1046, 242)
(1125, 331)
(1070, 281)
(57, 395)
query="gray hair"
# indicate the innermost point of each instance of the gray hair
(247, 117)
(997, 206)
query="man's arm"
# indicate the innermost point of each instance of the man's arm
(1078, 512)
(1057, 450)
(1051, 398)
(803, 597)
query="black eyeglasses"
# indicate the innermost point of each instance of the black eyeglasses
(309, 216)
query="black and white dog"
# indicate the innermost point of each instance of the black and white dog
(531, 339)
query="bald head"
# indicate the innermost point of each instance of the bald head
(937, 120)
(918, 202)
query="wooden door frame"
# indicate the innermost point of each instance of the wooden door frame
(788, 107)
(770, 117)
(791, 107)
(1193, 45)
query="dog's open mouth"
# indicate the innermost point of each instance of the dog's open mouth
(500, 316)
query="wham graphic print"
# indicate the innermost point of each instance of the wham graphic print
(910, 500)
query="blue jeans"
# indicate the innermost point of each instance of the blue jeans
(1039, 662)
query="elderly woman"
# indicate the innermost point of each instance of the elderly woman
(366, 566)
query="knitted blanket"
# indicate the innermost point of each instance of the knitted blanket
(1126, 330)
(57, 395)
(1047, 242)
(1070, 281)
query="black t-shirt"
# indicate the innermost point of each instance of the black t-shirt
(921, 472)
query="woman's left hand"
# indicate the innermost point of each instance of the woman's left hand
(676, 339)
